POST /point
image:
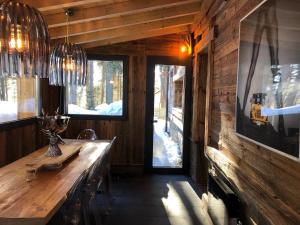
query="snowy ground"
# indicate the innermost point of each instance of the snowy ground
(8, 111)
(166, 152)
(113, 109)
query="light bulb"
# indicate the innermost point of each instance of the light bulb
(12, 43)
(183, 49)
(16, 43)
(68, 64)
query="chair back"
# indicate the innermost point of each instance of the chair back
(71, 209)
(87, 134)
(96, 172)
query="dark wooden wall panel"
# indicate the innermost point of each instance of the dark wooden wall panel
(129, 149)
(18, 142)
(268, 182)
(129, 146)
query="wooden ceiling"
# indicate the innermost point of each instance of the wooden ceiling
(103, 22)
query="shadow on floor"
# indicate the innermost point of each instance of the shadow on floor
(156, 200)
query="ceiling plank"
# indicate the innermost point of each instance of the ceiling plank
(59, 5)
(126, 31)
(127, 20)
(137, 36)
(112, 10)
(205, 6)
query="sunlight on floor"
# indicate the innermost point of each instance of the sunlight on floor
(182, 202)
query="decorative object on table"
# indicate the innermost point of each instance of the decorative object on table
(24, 41)
(268, 99)
(68, 62)
(43, 161)
(52, 126)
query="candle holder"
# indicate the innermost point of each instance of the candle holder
(52, 126)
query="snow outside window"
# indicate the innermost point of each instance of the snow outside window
(103, 93)
(18, 99)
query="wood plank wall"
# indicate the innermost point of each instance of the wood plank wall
(198, 168)
(19, 140)
(268, 183)
(129, 150)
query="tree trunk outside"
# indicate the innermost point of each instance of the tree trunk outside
(90, 87)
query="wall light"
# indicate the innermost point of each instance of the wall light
(186, 46)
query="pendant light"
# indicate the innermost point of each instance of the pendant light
(24, 41)
(68, 62)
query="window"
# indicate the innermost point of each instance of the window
(18, 99)
(178, 90)
(105, 91)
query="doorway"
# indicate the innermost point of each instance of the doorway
(167, 109)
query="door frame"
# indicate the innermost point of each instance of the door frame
(150, 77)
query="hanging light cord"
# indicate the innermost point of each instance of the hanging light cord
(67, 28)
(67, 20)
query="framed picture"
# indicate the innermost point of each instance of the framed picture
(268, 85)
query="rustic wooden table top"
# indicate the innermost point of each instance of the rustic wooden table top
(35, 202)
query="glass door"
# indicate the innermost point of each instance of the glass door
(168, 116)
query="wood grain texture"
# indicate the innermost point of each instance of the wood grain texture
(43, 162)
(112, 10)
(130, 30)
(139, 35)
(268, 182)
(59, 5)
(16, 142)
(35, 202)
(129, 148)
(127, 20)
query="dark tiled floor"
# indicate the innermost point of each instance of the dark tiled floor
(156, 200)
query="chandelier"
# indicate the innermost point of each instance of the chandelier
(24, 41)
(68, 62)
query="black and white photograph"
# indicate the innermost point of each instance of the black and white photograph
(268, 89)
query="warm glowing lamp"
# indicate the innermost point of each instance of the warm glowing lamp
(183, 49)
(25, 41)
(16, 41)
(68, 62)
(186, 46)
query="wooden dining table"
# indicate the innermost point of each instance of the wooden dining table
(34, 201)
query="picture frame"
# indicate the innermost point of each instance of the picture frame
(268, 80)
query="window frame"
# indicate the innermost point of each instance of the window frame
(124, 115)
(12, 124)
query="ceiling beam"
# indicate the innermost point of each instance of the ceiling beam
(126, 31)
(205, 5)
(112, 10)
(137, 36)
(59, 5)
(127, 20)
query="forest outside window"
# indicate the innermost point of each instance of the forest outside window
(18, 98)
(105, 91)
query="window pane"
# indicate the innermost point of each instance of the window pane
(103, 93)
(18, 99)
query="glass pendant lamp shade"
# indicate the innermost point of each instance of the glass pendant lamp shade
(68, 65)
(24, 41)
(68, 62)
